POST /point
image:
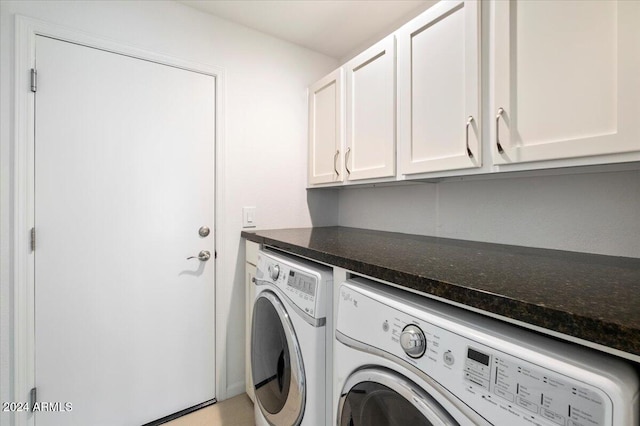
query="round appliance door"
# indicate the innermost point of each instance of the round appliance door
(276, 362)
(380, 397)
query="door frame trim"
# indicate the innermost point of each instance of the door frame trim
(23, 353)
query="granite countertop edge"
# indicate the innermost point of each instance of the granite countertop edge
(596, 330)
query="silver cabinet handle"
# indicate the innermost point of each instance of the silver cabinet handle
(469, 121)
(335, 163)
(204, 255)
(346, 160)
(500, 112)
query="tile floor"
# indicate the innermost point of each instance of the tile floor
(236, 411)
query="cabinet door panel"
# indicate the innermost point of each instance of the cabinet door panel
(566, 76)
(438, 63)
(371, 112)
(325, 129)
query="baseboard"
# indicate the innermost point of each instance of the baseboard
(181, 413)
(236, 389)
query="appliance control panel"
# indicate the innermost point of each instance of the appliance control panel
(301, 285)
(505, 382)
(532, 389)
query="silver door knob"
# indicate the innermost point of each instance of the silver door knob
(203, 231)
(204, 255)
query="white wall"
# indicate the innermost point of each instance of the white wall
(593, 213)
(265, 131)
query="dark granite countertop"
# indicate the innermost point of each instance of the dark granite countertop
(590, 297)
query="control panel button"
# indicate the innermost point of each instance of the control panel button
(448, 358)
(413, 341)
(385, 326)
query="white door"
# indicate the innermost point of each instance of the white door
(325, 129)
(123, 181)
(565, 79)
(439, 89)
(371, 112)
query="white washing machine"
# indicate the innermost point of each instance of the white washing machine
(403, 359)
(290, 341)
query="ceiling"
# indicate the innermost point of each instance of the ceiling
(336, 28)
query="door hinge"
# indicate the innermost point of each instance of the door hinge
(33, 239)
(34, 80)
(215, 254)
(33, 397)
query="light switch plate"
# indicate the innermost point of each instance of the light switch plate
(248, 217)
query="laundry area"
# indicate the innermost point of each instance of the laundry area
(320, 213)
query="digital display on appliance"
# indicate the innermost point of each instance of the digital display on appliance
(302, 283)
(478, 356)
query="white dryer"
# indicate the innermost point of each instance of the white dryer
(289, 347)
(403, 359)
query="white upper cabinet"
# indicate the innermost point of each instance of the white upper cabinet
(326, 130)
(566, 79)
(561, 89)
(439, 89)
(370, 113)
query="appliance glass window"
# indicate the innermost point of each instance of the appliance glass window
(373, 404)
(270, 359)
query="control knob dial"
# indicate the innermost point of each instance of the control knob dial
(413, 341)
(274, 271)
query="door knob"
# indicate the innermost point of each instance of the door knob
(204, 255)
